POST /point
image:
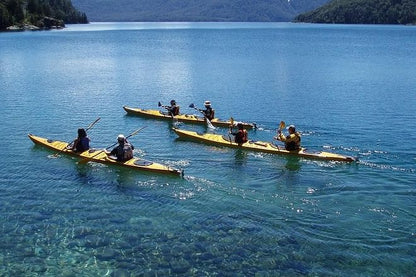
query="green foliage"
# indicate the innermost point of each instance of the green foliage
(363, 12)
(18, 12)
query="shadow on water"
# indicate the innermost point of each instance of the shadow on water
(240, 157)
(293, 163)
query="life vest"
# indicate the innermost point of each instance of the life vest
(293, 142)
(127, 152)
(209, 113)
(174, 110)
(241, 136)
(124, 152)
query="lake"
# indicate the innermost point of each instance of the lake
(348, 90)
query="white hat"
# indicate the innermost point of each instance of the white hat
(291, 126)
(207, 103)
(121, 137)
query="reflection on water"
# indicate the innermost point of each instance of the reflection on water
(293, 163)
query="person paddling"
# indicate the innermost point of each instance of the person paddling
(240, 136)
(173, 109)
(209, 111)
(292, 141)
(82, 142)
(124, 150)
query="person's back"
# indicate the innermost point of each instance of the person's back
(82, 143)
(124, 151)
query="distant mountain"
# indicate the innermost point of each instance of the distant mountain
(38, 14)
(195, 10)
(363, 12)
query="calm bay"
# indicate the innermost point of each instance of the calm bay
(348, 89)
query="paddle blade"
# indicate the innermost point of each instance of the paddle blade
(209, 124)
(191, 105)
(231, 121)
(159, 104)
(282, 125)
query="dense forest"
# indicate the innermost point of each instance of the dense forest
(195, 10)
(363, 12)
(39, 13)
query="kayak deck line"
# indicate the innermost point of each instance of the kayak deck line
(187, 118)
(94, 156)
(260, 146)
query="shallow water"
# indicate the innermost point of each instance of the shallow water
(348, 89)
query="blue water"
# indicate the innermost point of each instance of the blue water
(348, 89)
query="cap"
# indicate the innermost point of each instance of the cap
(207, 103)
(172, 101)
(291, 126)
(121, 137)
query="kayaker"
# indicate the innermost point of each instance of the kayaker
(173, 109)
(209, 112)
(241, 135)
(82, 142)
(292, 141)
(124, 150)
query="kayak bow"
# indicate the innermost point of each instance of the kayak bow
(187, 118)
(260, 146)
(134, 163)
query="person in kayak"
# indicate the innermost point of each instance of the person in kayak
(173, 109)
(124, 150)
(292, 141)
(82, 142)
(240, 136)
(209, 112)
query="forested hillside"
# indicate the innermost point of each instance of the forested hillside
(195, 10)
(363, 12)
(39, 13)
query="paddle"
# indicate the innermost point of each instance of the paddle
(89, 127)
(160, 105)
(85, 160)
(282, 125)
(231, 128)
(206, 118)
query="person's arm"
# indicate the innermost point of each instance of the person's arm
(280, 136)
(114, 151)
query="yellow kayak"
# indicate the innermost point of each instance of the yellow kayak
(259, 146)
(92, 155)
(187, 118)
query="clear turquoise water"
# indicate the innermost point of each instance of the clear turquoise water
(349, 89)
